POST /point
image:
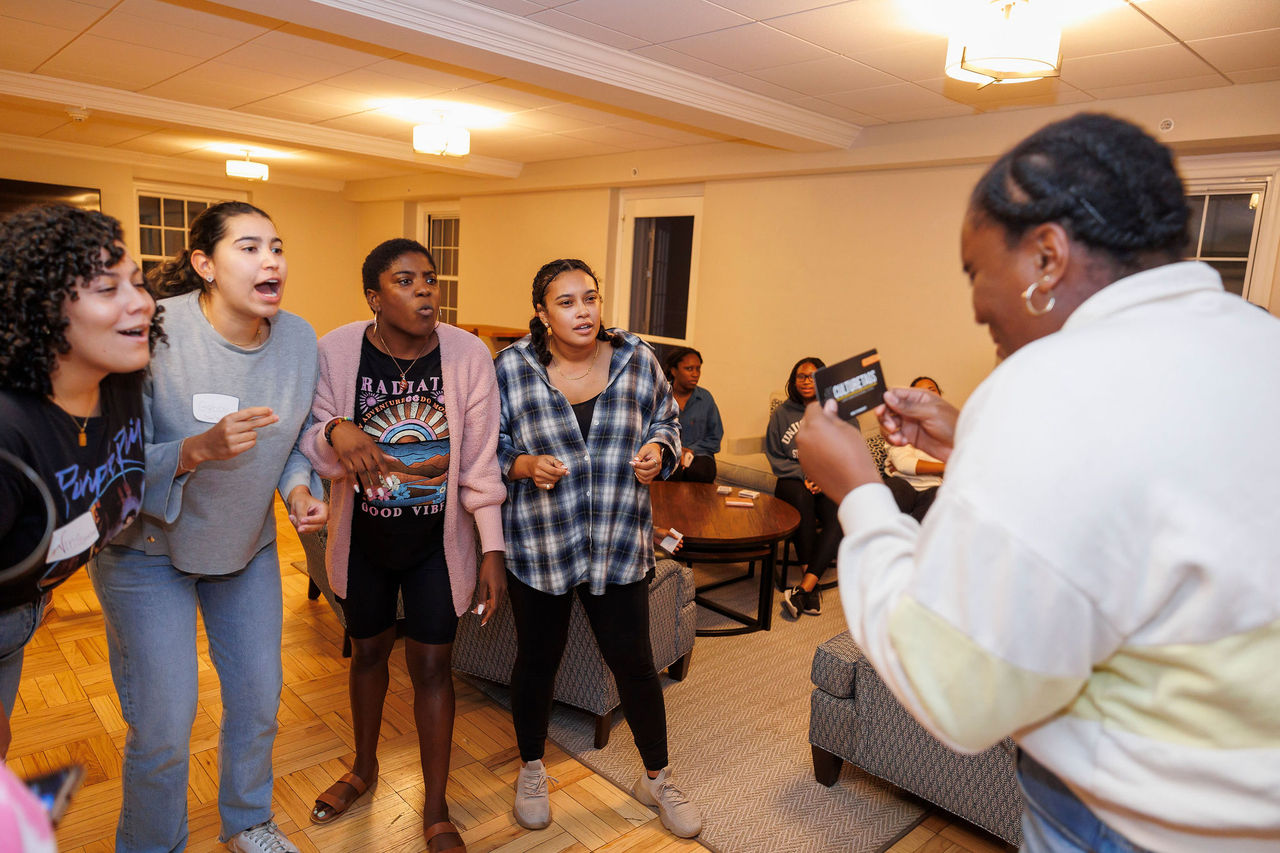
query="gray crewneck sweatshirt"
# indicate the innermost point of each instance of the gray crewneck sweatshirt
(212, 521)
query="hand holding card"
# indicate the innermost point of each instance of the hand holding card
(856, 384)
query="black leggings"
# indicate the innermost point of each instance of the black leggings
(620, 622)
(815, 548)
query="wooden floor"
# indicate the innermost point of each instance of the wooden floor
(67, 711)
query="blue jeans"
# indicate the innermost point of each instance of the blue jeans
(150, 609)
(17, 625)
(1055, 821)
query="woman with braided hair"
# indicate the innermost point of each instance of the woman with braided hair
(1113, 606)
(587, 423)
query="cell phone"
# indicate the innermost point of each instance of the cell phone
(54, 790)
(856, 384)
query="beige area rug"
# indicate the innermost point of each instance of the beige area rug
(738, 738)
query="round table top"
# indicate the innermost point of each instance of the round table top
(701, 515)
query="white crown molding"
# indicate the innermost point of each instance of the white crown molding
(567, 63)
(230, 122)
(200, 168)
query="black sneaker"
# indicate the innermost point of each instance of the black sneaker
(793, 601)
(811, 602)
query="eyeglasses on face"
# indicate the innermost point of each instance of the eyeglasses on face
(805, 377)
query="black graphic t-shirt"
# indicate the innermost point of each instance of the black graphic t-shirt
(409, 422)
(96, 489)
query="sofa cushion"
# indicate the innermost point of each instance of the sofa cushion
(835, 665)
(746, 471)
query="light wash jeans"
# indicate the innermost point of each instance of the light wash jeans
(17, 626)
(1055, 821)
(150, 610)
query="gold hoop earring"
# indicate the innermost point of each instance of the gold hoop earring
(1031, 308)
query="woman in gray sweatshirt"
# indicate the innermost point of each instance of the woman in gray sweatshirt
(223, 407)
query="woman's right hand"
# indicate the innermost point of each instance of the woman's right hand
(229, 437)
(367, 466)
(544, 470)
(919, 418)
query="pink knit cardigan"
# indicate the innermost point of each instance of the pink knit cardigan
(475, 481)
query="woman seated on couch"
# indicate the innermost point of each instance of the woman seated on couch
(911, 474)
(700, 426)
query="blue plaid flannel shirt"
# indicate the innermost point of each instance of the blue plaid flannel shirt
(596, 525)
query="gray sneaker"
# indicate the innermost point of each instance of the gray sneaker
(677, 813)
(533, 803)
(263, 838)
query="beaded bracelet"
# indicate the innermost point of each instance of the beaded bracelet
(328, 429)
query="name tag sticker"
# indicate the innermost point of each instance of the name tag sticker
(211, 408)
(72, 538)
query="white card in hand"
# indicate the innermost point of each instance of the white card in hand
(671, 540)
(211, 408)
(73, 537)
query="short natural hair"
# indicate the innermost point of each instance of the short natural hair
(379, 260)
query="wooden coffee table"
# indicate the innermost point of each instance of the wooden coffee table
(715, 533)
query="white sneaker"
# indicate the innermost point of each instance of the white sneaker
(263, 838)
(678, 815)
(533, 803)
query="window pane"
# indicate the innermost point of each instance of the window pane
(194, 208)
(1232, 273)
(1196, 203)
(1228, 227)
(660, 267)
(173, 213)
(149, 241)
(148, 210)
(174, 242)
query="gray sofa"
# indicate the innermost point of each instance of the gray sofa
(584, 681)
(853, 717)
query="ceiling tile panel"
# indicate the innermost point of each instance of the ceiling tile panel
(170, 143)
(331, 49)
(63, 14)
(316, 102)
(666, 56)
(852, 27)
(429, 74)
(949, 109)
(26, 122)
(1240, 52)
(513, 7)
(218, 74)
(624, 139)
(1130, 67)
(99, 131)
(655, 20)
(1255, 75)
(24, 45)
(762, 10)
(556, 19)
(107, 62)
(759, 87)
(549, 122)
(1196, 19)
(226, 22)
(827, 108)
(133, 29)
(384, 86)
(1120, 28)
(1160, 87)
(511, 93)
(226, 96)
(824, 76)
(748, 48)
(910, 60)
(883, 100)
(373, 123)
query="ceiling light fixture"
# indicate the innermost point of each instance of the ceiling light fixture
(1006, 41)
(248, 169)
(441, 138)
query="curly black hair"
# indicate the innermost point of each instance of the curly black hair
(46, 254)
(541, 281)
(176, 275)
(379, 260)
(1109, 184)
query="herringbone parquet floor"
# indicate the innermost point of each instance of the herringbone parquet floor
(67, 711)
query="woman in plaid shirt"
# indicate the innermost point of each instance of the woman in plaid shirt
(587, 423)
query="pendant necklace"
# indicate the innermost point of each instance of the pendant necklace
(589, 369)
(395, 361)
(81, 425)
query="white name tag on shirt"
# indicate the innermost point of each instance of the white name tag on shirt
(72, 538)
(211, 408)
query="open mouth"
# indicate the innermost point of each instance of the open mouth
(139, 332)
(583, 327)
(270, 288)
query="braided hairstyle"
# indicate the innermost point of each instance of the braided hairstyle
(176, 275)
(541, 281)
(1110, 185)
(46, 254)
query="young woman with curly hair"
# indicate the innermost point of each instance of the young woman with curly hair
(78, 326)
(225, 403)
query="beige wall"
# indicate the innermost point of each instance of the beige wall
(505, 239)
(318, 227)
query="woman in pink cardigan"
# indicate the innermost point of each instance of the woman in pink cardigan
(406, 425)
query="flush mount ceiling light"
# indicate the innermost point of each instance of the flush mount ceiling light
(441, 138)
(1006, 41)
(248, 169)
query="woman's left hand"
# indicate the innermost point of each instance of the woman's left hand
(307, 513)
(812, 487)
(648, 462)
(491, 582)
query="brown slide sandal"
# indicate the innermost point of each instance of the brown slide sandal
(440, 829)
(338, 798)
